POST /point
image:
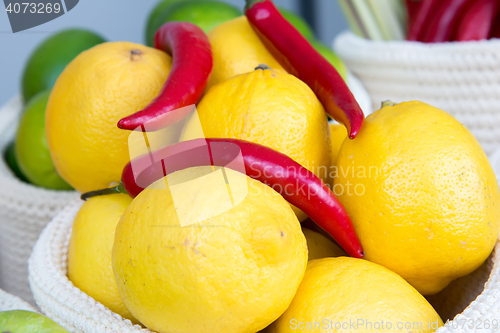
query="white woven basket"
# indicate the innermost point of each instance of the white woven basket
(55, 294)
(462, 78)
(10, 302)
(24, 211)
(473, 297)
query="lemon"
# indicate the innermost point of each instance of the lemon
(31, 149)
(338, 134)
(354, 295)
(98, 88)
(423, 197)
(272, 108)
(90, 249)
(235, 271)
(318, 246)
(237, 49)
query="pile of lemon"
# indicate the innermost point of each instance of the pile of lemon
(418, 187)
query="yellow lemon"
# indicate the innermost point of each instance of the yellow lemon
(338, 135)
(98, 88)
(235, 270)
(421, 193)
(237, 49)
(272, 108)
(319, 246)
(351, 295)
(90, 249)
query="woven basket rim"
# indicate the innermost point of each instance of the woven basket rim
(492, 44)
(11, 302)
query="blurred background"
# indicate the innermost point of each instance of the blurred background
(125, 20)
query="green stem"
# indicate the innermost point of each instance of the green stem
(250, 3)
(110, 190)
(263, 67)
(388, 103)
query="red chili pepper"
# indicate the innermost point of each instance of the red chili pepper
(441, 24)
(299, 58)
(418, 12)
(477, 21)
(191, 68)
(296, 184)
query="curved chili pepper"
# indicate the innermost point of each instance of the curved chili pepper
(477, 20)
(191, 67)
(296, 184)
(441, 24)
(418, 13)
(299, 58)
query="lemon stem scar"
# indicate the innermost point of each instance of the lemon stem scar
(388, 103)
(262, 66)
(110, 190)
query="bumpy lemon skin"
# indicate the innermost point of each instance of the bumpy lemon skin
(95, 90)
(319, 246)
(355, 293)
(234, 272)
(90, 250)
(272, 108)
(237, 49)
(428, 203)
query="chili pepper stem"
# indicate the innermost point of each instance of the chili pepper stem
(110, 190)
(250, 3)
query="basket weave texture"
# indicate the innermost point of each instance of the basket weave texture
(25, 210)
(461, 78)
(10, 302)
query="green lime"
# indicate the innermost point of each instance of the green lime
(207, 14)
(32, 150)
(10, 159)
(49, 59)
(155, 16)
(298, 22)
(331, 57)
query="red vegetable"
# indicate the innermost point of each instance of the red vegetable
(296, 184)
(418, 13)
(442, 21)
(299, 58)
(191, 68)
(477, 21)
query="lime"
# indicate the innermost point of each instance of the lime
(10, 159)
(331, 57)
(49, 59)
(207, 14)
(298, 22)
(32, 151)
(156, 15)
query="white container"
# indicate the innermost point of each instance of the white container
(25, 210)
(461, 78)
(55, 294)
(10, 302)
(473, 297)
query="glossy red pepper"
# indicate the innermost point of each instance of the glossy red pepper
(418, 13)
(296, 184)
(299, 58)
(442, 21)
(191, 68)
(477, 21)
